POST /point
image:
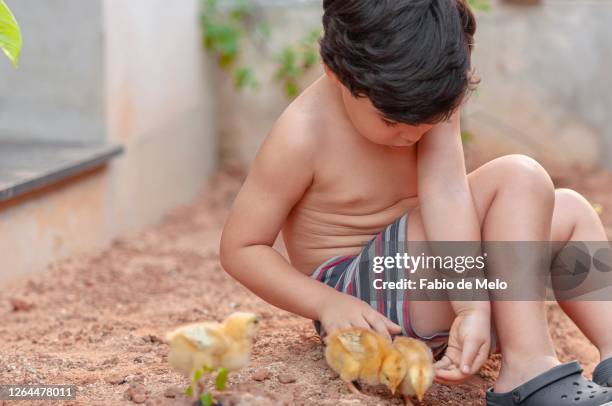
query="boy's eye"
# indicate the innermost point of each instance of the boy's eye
(389, 123)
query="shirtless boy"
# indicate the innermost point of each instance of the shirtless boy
(372, 150)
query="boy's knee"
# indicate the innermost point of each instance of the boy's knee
(570, 199)
(525, 175)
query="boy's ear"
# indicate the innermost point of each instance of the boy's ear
(331, 75)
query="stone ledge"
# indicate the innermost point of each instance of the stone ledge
(29, 165)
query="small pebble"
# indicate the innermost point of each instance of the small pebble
(136, 393)
(20, 305)
(152, 338)
(64, 335)
(261, 375)
(116, 379)
(286, 378)
(87, 380)
(111, 361)
(173, 392)
(317, 356)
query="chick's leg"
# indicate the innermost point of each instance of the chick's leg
(353, 389)
(408, 401)
(349, 374)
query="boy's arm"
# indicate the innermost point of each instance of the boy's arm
(444, 191)
(281, 173)
(443, 185)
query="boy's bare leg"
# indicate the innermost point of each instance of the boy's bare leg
(514, 198)
(575, 220)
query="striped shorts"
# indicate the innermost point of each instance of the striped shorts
(353, 275)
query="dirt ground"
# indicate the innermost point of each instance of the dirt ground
(98, 320)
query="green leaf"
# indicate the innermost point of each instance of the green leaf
(210, 6)
(10, 34)
(189, 391)
(240, 12)
(291, 89)
(244, 77)
(221, 380)
(311, 39)
(206, 399)
(264, 30)
(480, 5)
(310, 58)
(466, 137)
(287, 64)
(197, 375)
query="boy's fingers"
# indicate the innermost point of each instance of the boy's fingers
(360, 322)
(444, 363)
(377, 324)
(481, 357)
(336, 327)
(470, 350)
(451, 375)
(392, 327)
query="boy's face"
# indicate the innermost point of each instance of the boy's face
(371, 123)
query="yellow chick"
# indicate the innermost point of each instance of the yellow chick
(420, 373)
(212, 344)
(360, 354)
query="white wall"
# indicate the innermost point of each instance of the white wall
(57, 94)
(160, 105)
(546, 88)
(152, 83)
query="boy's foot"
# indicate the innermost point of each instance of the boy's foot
(518, 369)
(602, 375)
(562, 385)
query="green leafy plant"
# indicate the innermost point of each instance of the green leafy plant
(206, 398)
(295, 61)
(10, 34)
(224, 34)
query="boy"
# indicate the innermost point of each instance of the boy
(372, 152)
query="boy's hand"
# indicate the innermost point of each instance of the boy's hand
(468, 347)
(341, 311)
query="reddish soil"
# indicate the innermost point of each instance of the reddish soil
(98, 320)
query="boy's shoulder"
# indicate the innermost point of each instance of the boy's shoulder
(289, 155)
(302, 127)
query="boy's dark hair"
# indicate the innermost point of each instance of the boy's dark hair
(411, 58)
